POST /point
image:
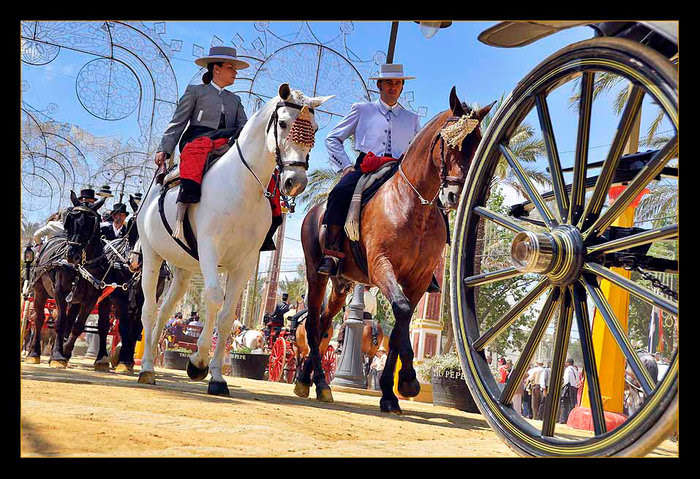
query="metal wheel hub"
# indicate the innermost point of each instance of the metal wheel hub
(558, 254)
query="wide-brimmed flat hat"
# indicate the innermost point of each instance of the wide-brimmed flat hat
(222, 54)
(87, 194)
(391, 71)
(119, 208)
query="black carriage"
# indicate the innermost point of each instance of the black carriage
(546, 257)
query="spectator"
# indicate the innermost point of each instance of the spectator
(533, 379)
(569, 391)
(544, 388)
(527, 399)
(502, 371)
(377, 367)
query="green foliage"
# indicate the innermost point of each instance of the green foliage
(497, 298)
(242, 350)
(440, 363)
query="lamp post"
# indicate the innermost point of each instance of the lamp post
(350, 372)
(427, 28)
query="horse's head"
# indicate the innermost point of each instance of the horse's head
(290, 135)
(81, 224)
(459, 139)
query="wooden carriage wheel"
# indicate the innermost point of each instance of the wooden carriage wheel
(564, 252)
(277, 360)
(328, 363)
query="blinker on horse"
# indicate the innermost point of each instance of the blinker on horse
(403, 234)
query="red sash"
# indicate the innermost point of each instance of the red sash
(194, 156)
(372, 162)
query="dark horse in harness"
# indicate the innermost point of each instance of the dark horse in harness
(79, 248)
(403, 234)
(127, 301)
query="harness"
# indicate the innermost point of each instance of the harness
(454, 136)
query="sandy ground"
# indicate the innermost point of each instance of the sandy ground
(79, 412)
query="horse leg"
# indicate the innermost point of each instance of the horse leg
(40, 298)
(149, 282)
(224, 323)
(399, 342)
(335, 303)
(58, 360)
(198, 364)
(78, 326)
(314, 298)
(102, 360)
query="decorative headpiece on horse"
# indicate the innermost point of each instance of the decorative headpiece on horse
(455, 133)
(302, 132)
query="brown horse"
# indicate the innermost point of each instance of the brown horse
(403, 234)
(369, 344)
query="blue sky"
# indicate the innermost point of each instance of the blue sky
(454, 56)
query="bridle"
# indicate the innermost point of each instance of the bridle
(96, 224)
(445, 179)
(302, 134)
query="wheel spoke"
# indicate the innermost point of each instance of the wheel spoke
(561, 346)
(526, 355)
(486, 278)
(553, 156)
(511, 316)
(619, 334)
(631, 287)
(646, 174)
(498, 219)
(532, 192)
(595, 205)
(639, 239)
(578, 188)
(589, 364)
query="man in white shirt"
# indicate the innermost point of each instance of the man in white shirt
(569, 392)
(544, 388)
(382, 127)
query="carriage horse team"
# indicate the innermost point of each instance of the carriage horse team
(383, 224)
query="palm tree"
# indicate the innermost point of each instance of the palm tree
(321, 182)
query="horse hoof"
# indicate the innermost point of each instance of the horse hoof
(324, 394)
(58, 364)
(409, 389)
(391, 406)
(32, 360)
(218, 388)
(301, 389)
(195, 373)
(101, 367)
(124, 369)
(147, 377)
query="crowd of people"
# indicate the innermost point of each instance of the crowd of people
(531, 394)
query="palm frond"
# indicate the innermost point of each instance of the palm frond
(321, 182)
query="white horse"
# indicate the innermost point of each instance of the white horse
(229, 222)
(249, 338)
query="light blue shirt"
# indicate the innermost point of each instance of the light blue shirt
(377, 128)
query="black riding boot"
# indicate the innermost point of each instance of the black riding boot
(268, 244)
(434, 286)
(331, 253)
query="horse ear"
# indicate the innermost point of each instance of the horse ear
(73, 198)
(455, 104)
(317, 101)
(96, 206)
(132, 203)
(485, 111)
(284, 91)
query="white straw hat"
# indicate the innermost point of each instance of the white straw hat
(393, 71)
(222, 54)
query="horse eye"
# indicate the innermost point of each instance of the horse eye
(283, 124)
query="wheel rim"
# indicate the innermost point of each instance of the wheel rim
(561, 260)
(277, 360)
